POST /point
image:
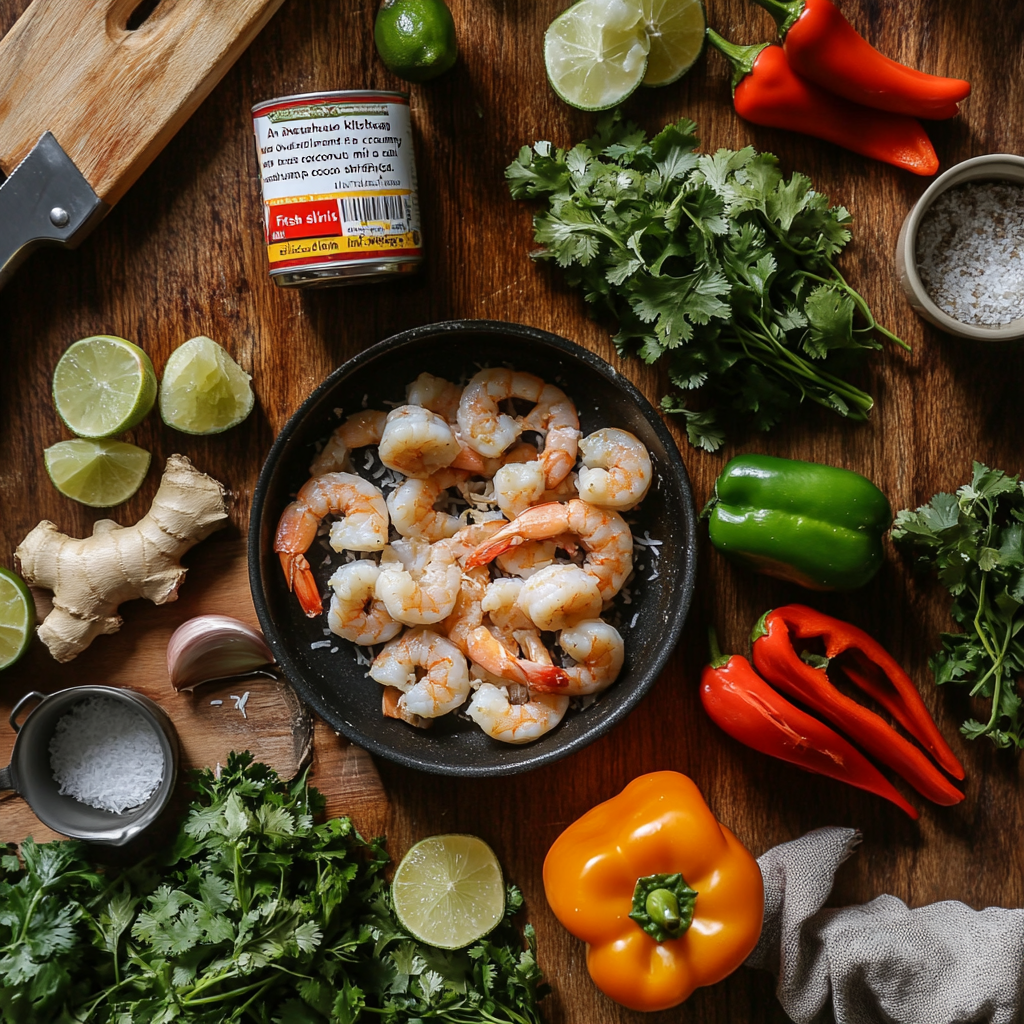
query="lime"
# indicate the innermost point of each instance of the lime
(415, 38)
(17, 617)
(676, 31)
(103, 386)
(99, 473)
(204, 391)
(448, 891)
(596, 52)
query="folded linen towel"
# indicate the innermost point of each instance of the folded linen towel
(881, 962)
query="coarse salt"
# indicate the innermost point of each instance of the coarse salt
(105, 754)
(970, 252)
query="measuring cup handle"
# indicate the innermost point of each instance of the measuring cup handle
(17, 709)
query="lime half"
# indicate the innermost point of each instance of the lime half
(17, 617)
(596, 52)
(448, 891)
(99, 473)
(676, 31)
(103, 386)
(204, 391)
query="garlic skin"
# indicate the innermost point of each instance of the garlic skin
(212, 647)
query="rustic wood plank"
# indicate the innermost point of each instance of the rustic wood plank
(181, 255)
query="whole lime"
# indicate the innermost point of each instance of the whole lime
(416, 38)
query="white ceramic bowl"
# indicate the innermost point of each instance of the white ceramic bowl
(994, 167)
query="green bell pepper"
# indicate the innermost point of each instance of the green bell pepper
(815, 525)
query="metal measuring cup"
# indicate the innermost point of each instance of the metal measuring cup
(29, 774)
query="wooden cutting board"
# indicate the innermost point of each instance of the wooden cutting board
(260, 715)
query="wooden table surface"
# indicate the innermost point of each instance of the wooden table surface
(182, 255)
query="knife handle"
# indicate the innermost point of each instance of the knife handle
(113, 97)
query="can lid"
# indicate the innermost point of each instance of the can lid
(343, 96)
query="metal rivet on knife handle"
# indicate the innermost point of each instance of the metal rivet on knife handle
(59, 217)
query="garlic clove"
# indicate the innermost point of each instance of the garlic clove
(212, 647)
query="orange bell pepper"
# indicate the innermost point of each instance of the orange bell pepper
(666, 898)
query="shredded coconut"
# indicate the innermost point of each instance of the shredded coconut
(240, 702)
(970, 252)
(316, 645)
(105, 754)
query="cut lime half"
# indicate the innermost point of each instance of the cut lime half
(17, 617)
(596, 52)
(98, 473)
(103, 386)
(448, 891)
(204, 391)
(676, 31)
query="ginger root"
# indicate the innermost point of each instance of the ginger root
(91, 576)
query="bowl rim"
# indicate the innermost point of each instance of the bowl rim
(976, 168)
(672, 626)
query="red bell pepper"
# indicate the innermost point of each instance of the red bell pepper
(777, 660)
(743, 705)
(768, 92)
(822, 46)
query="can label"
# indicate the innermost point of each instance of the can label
(339, 180)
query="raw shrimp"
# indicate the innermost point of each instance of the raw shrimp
(419, 582)
(485, 428)
(598, 652)
(515, 723)
(616, 470)
(364, 528)
(417, 442)
(487, 651)
(355, 613)
(441, 687)
(555, 416)
(560, 596)
(603, 534)
(411, 505)
(359, 430)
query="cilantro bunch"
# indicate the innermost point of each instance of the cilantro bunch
(974, 541)
(714, 264)
(256, 913)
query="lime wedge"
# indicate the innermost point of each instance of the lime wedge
(204, 391)
(596, 52)
(103, 386)
(676, 31)
(97, 473)
(448, 891)
(17, 617)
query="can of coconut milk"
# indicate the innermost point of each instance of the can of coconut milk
(339, 187)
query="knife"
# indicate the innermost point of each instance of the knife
(91, 91)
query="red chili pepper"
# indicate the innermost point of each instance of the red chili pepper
(776, 659)
(743, 705)
(824, 47)
(768, 92)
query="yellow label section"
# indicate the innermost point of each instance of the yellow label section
(338, 195)
(339, 244)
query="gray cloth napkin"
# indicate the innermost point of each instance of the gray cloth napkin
(881, 962)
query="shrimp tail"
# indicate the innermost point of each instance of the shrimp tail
(489, 550)
(544, 678)
(468, 459)
(301, 580)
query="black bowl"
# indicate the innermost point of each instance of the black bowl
(334, 684)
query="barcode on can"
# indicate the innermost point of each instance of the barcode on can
(375, 213)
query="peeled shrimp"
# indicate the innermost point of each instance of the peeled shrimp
(555, 416)
(355, 614)
(527, 558)
(364, 528)
(517, 486)
(411, 505)
(359, 430)
(485, 428)
(560, 596)
(603, 534)
(487, 651)
(616, 470)
(392, 707)
(515, 723)
(444, 683)
(418, 582)
(597, 649)
(417, 442)
(510, 623)
(436, 394)
(471, 536)
(467, 615)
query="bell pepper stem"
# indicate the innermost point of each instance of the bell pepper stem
(740, 58)
(663, 906)
(785, 12)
